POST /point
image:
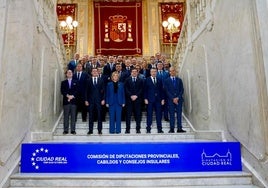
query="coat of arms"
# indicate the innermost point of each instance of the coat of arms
(118, 27)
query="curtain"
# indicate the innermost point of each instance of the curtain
(118, 27)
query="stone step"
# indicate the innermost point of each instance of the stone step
(82, 127)
(79, 123)
(83, 132)
(133, 180)
(198, 186)
(122, 137)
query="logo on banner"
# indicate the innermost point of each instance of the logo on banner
(118, 29)
(216, 159)
(41, 157)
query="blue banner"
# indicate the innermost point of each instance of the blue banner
(130, 157)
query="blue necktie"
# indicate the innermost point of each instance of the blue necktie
(70, 83)
(174, 81)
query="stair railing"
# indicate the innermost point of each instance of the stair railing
(198, 18)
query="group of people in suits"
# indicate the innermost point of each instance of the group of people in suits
(124, 87)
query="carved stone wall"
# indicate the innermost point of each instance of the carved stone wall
(30, 74)
(221, 60)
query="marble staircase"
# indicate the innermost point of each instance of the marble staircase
(82, 129)
(131, 180)
(163, 180)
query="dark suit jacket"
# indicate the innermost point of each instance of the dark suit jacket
(151, 66)
(72, 65)
(110, 95)
(71, 91)
(82, 83)
(145, 72)
(95, 93)
(174, 91)
(133, 89)
(123, 76)
(105, 79)
(107, 71)
(153, 92)
(164, 75)
(89, 67)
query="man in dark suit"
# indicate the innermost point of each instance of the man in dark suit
(174, 90)
(109, 68)
(94, 98)
(163, 75)
(73, 63)
(122, 73)
(69, 93)
(81, 76)
(104, 78)
(93, 64)
(134, 97)
(153, 98)
(128, 67)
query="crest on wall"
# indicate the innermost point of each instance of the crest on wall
(118, 29)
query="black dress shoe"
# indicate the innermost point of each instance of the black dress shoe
(90, 132)
(166, 119)
(181, 131)
(160, 131)
(148, 131)
(138, 131)
(73, 132)
(127, 132)
(171, 131)
(100, 132)
(65, 132)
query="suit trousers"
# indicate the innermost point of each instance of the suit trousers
(69, 110)
(165, 109)
(157, 107)
(175, 109)
(81, 107)
(115, 111)
(91, 108)
(133, 106)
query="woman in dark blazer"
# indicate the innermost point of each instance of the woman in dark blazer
(115, 100)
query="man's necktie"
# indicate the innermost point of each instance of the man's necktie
(95, 81)
(174, 81)
(70, 83)
(154, 81)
